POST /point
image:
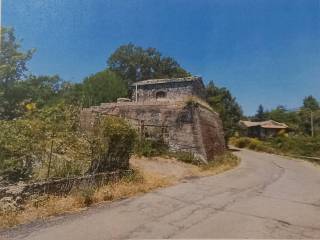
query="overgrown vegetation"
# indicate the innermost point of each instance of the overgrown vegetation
(303, 121)
(151, 148)
(222, 162)
(112, 143)
(294, 145)
(302, 137)
(221, 100)
(48, 143)
(187, 157)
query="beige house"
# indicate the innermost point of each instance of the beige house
(264, 129)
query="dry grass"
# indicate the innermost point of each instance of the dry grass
(46, 206)
(220, 164)
(140, 182)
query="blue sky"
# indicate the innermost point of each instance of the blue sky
(265, 51)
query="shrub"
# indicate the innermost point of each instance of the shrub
(241, 142)
(227, 159)
(151, 148)
(187, 157)
(112, 143)
(19, 149)
(85, 195)
(297, 145)
(252, 143)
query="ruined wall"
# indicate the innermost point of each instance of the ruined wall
(13, 196)
(183, 128)
(175, 91)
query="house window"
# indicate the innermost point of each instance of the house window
(161, 94)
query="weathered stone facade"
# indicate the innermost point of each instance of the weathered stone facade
(177, 89)
(183, 126)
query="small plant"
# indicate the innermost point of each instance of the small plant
(151, 148)
(227, 160)
(134, 176)
(187, 157)
(241, 142)
(85, 195)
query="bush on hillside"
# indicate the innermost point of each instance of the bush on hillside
(151, 148)
(293, 145)
(112, 143)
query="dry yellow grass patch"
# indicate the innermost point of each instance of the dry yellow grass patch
(127, 187)
(220, 164)
(46, 206)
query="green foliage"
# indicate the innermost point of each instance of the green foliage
(46, 137)
(12, 61)
(260, 115)
(281, 114)
(251, 143)
(101, 87)
(134, 63)
(187, 157)
(151, 148)
(13, 68)
(292, 145)
(241, 142)
(42, 90)
(19, 148)
(112, 143)
(311, 103)
(226, 159)
(297, 145)
(221, 100)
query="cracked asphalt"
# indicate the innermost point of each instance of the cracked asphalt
(267, 196)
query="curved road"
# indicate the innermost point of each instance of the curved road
(267, 196)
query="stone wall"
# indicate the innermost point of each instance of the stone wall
(194, 129)
(13, 195)
(174, 90)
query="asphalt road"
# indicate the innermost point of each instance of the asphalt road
(265, 197)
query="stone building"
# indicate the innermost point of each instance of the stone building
(175, 89)
(171, 110)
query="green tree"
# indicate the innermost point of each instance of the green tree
(12, 60)
(42, 90)
(311, 103)
(104, 86)
(135, 63)
(13, 68)
(282, 114)
(310, 112)
(221, 100)
(260, 115)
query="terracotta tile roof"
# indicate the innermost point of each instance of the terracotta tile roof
(264, 124)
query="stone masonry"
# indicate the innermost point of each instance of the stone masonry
(182, 123)
(176, 89)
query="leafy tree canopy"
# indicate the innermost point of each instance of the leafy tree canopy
(12, 60)
(311, 103)
(260, 115)
(221, 100)
(135, 63)
(105, 86)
